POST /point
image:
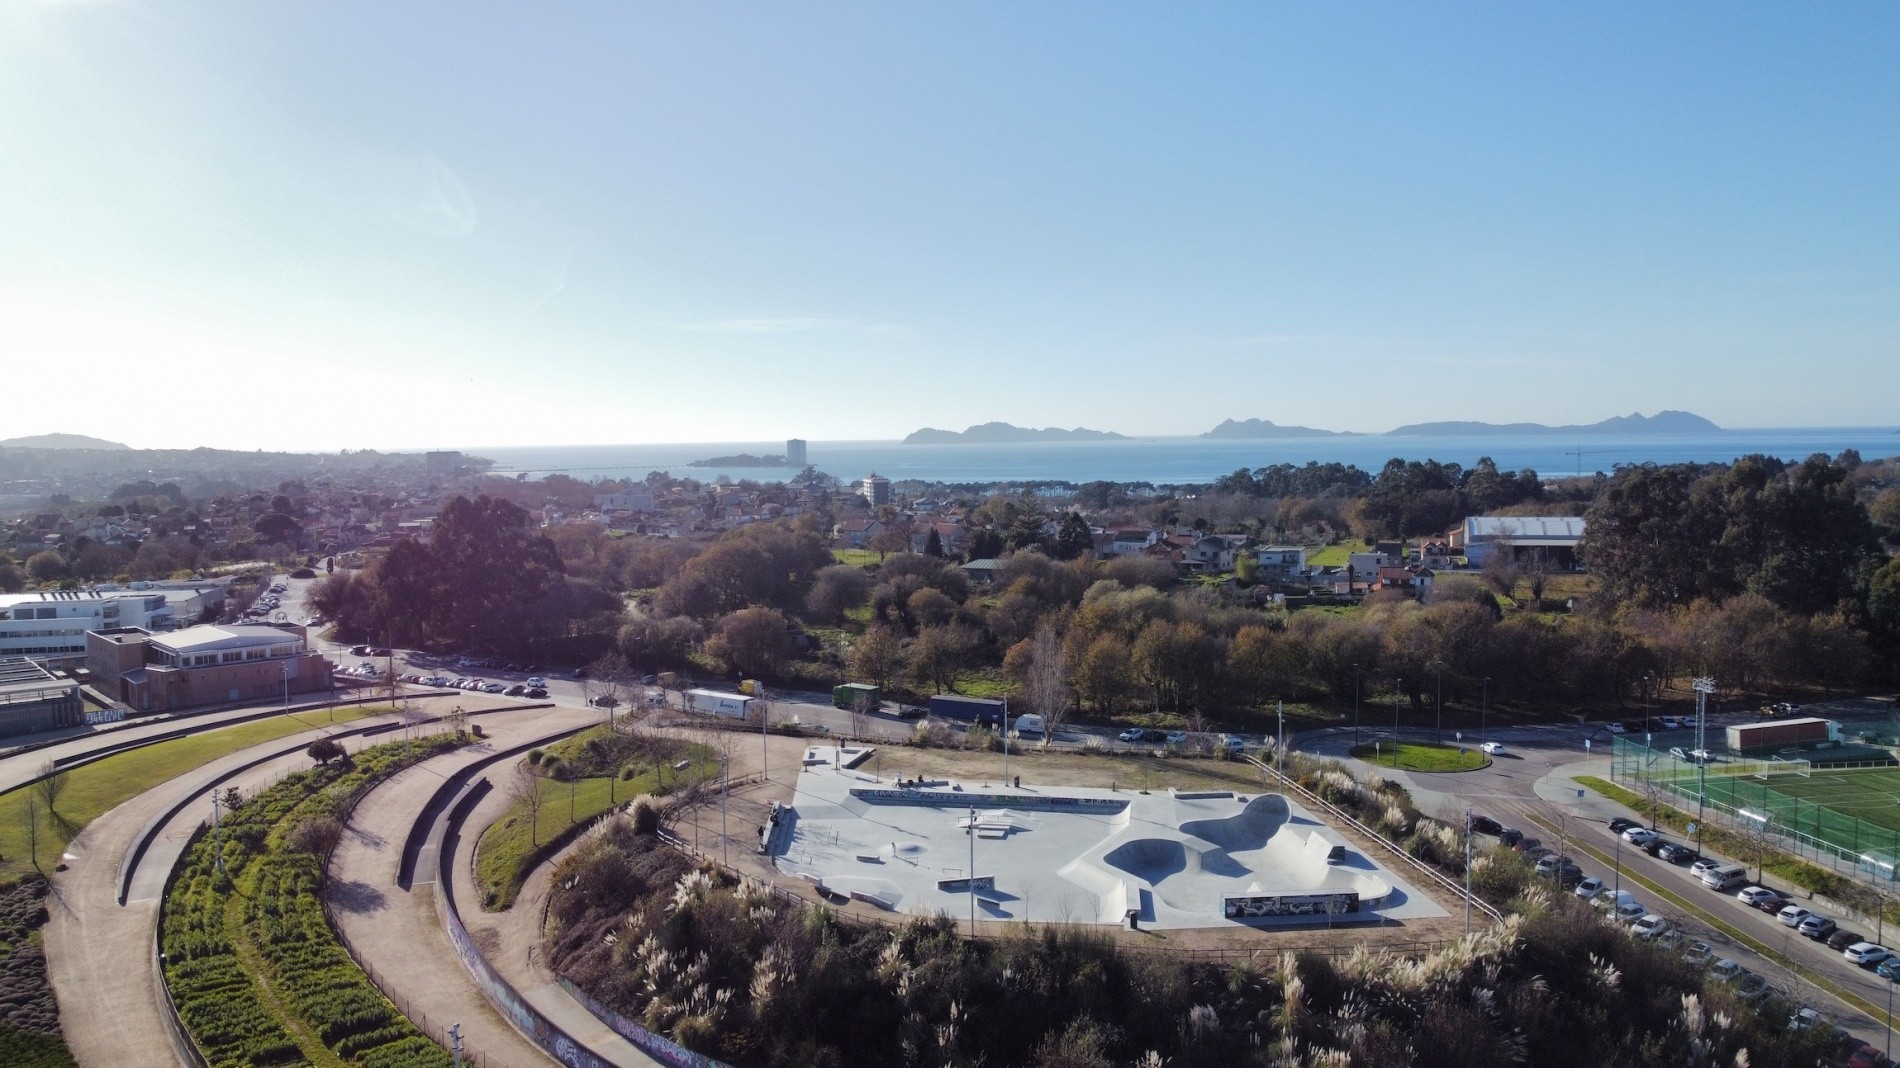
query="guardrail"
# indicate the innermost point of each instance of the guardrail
(1438, 878)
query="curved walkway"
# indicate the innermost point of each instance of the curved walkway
(394, 932)
(99, 955)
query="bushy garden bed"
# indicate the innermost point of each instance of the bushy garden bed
(575, 781)
(29, 1015)
(257, 974)
(726, 968)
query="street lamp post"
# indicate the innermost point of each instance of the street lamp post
(1438, 732)
(1355, 706)
(1484, 712)
(1396, 694)
(1704, 686)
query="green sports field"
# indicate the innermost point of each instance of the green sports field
(1853, 810)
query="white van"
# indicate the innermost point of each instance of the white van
(1028, 725)
(1725, 877)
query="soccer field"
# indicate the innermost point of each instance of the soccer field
(1854, 811)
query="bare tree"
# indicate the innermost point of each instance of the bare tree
(32, 829)
(1048, 680)
(1537, 573)
(52, 783)
(860, 714)
(609, 681)
(525, 789)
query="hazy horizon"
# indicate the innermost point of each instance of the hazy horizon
(408, 226)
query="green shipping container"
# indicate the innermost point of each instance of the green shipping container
(846, 696)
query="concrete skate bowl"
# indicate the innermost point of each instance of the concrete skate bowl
(1148, 859)
(1249, 829)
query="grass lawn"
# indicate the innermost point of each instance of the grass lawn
(510, 847)
(988, 683)
(1336, 555)
(1415, 756)
(97, 788)
(856, 557)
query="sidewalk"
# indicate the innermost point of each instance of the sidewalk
(394, 933)
(511, 942)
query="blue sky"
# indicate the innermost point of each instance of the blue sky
(394, 225)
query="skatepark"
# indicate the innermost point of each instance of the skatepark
(1161, 860)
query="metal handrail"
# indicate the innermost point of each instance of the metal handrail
(1443, 881)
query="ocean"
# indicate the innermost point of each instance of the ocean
(1163, 461)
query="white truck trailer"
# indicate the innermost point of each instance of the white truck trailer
(719, 703)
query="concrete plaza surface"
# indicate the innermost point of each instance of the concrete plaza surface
(1174, 860)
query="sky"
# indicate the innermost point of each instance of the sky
(347, 225)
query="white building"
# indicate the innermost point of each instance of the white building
(633, 499)
(1555, 538)
(52, 625)
(1281, 561)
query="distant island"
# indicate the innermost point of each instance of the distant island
(1254, 429)
(744, 459)
(1665, 422)
(1006, 434)
(61, 441)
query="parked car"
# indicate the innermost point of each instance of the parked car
(1628, 914)
(1609, 899)
(1649, 926)
(1132, 734)
(1524, 845)
(1537, 852)
(1176, 738)
(1233, 743)
(1754, 896)
(1590, 887)
(1792, 915)
(1492, 748)
(537, 680)
(1816, 926)
(1485, 825)
(1640, 836)
(1615, 728)
(1670, 723)
(1552, 863)
(1868, 1056)
(1623, 823)
(1672, 940)
(1805, 1019)
(537, 692)
(1867, 954)
(1889, 969)
(1704, 866)
(1510, 836)
(1773, 905)
(1752, 988)
(1677, 853)
(1726, 971)
(1842, 938)
(1698, 954)
(517, 691)
(1655, 846)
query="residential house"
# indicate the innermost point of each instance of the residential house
(1410, 579)
(1127, 541)
(857, 533)
(1281, 562)
(952, 536)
